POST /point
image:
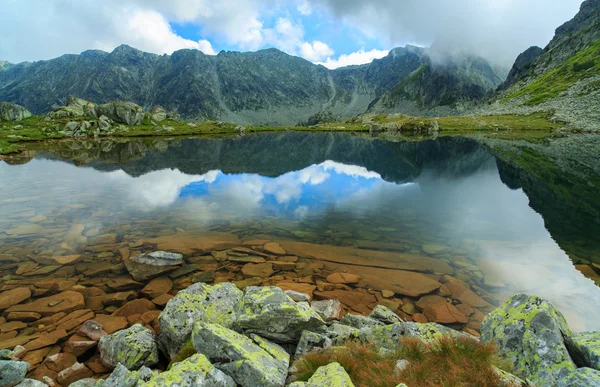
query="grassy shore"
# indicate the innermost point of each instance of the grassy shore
(15, 135)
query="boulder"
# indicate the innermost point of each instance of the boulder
(581, 377)
(385, 315)
(250, 362)
(529, 333)
(92, 330)
(328, 309)
(31, 383)
(269, 312)
(158, 114)
(12, 372)
(199, 302)
(297, 296)
(359, 322)
(310, 342)
(339, 333)
(193, 371)
(121, 112)
(13, 112)
(585, 349)
(331, 375)
(133, 347)
(122, 377)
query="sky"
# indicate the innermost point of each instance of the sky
(334, 33)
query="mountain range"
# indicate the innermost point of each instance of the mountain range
(271, 87)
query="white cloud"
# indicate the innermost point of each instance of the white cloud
(315, 51)
(355, 58)
(304, 7)
(350, 170)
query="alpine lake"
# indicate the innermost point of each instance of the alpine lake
(437, 230)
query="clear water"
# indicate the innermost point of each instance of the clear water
(318, 188)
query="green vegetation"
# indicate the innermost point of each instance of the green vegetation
(447, 362)
(582, 65)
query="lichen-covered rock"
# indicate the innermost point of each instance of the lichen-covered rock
(311, 341)
(132, 347)
(385, 315)
(359, 322)
(327, 309)
(121, 377)
(196, 370)
(13, 112)
(529, 334)
(87, 382)
(508, 379)
(248, 362)
(158, 114)
(32, 383)
(12, 372)
(331, 375)
(585, 349)
(388, 336)
(122, 112)
(269, 312)
(581, 377)
(199, 302)
(339, 333)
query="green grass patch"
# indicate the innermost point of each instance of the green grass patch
(582, 65)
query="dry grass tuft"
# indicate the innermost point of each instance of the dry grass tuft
(448, 362)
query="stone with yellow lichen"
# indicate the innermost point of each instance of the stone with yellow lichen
(133, 347)
(585, 349)
(219, 304)
(193, 371)
(529, 333)
(269, 312)
(250, 362)
(331, 375)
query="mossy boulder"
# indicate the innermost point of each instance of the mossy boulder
(193, 371)
(359, 322)
(12, 372)
(249, 361)
(121, 112)
(122, 377)
(585, 349)
(132, 347)
(529, 333)
(269, 312)
(581, 377)
(13, 112)
(75, 107)
(331, 375)
(200, 302)
(385, 315)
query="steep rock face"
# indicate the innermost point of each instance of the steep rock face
(443, 80)
(267, 86)
(521, 66)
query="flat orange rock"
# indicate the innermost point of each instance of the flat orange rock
(362, 257)
(463, 294)
(343, 278)
(347, 297)
(189, 244)
(63, 302)
(297, 287)
(438, 309)
(13, 297)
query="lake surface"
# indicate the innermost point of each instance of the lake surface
(451, 200)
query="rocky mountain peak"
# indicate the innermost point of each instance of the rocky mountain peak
(521, 66)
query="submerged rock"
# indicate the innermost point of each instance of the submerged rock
(529, 334)
(249, 362)
(269, 312)
(133, 347)
(147, 266)
(199, 302)
(12, 372)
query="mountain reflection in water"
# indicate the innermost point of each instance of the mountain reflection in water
(318, 188)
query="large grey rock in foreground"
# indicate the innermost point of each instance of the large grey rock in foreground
(122, 112)
(199, 302)
(269, 312)
(132, 347)
(193, 371)
(12, 372)
(581, 377)
(13, 112)
(529, 333)
(250, 362)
